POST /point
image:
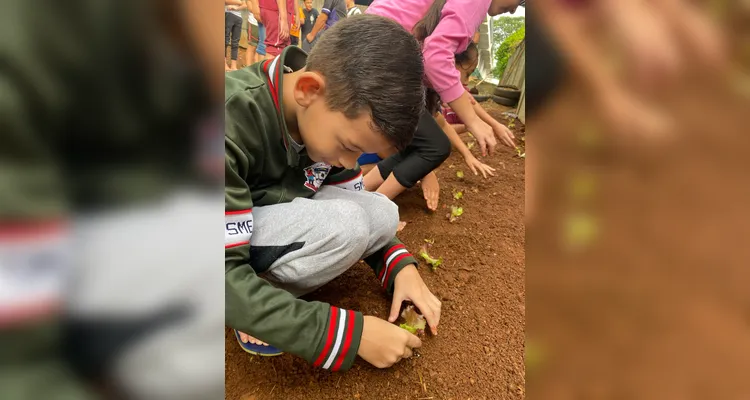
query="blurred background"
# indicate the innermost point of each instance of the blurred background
(111, 185)
(637, 199)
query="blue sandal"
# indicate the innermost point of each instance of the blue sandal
(257, 349)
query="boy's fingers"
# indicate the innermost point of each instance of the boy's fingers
(395, 307)
(413, 341)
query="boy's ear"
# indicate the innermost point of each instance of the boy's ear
(309, 86)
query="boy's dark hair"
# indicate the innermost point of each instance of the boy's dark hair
(372, 64)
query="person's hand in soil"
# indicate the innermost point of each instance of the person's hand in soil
(409, 286)
(483, 133)
(383, 344)
(249, 339)
(431, 190)
(504, 134)
(476, 165)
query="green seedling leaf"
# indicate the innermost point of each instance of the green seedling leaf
(460, 174)
(414, 322)
(458, 195)
(434, 263)
(455, 213)
(470, 135)
(470, 145)
(429, 241)
(411, 329)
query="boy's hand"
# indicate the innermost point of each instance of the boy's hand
(384, 344)
(504, 134)
(410, 286)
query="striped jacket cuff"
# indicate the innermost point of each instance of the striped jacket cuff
(394, 260)
(340, 343)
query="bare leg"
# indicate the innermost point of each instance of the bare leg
(250, 55)
(233, 65)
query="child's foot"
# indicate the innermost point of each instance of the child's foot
(431, 190)
(255, 346)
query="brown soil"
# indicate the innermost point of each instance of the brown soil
(480, 350)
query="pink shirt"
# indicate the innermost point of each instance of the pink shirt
(459, 21)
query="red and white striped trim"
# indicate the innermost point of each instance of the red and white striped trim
(391, 259)
(338, 340)
(35, 265)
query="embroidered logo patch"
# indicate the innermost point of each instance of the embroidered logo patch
(315, 175)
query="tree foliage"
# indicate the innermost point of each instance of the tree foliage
(506, 49)
(504, 26)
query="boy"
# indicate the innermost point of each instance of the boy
(292, 125)
(309, 16)
(352, 9)
(332, 12)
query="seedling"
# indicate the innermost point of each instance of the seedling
(460, 174)
(434, 263)
(470, 145)
(512, 124)
(520, 152)
(455, 213)
(458, 195)
(430, 241)
(414, 322)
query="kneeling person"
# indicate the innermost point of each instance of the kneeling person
(296, 214)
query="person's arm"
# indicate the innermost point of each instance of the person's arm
(501, 131)
(458, 23)
(234, 3)
(255, 9)
(283, 20)
(273, 315)
(320, 21)
(474, 164)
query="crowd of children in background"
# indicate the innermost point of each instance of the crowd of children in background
(276, 24)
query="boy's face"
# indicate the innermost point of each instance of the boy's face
(332, 138)
(308, 5)
(329, 136)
